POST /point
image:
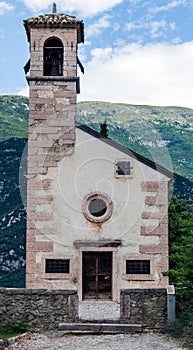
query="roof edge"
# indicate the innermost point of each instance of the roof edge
(55, 20)
(127, 151)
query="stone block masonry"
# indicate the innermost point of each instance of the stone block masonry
(51, 137)
(51, 123)
(44, 309)
(144, 306)
(155, 224)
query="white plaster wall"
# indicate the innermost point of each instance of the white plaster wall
(91, 168)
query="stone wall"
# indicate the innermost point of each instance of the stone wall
(144, 306)
(44, 309)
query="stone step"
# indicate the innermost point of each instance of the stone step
(101, 311)
(112, 328)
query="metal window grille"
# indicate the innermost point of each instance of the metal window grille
(138, 267)
(123, 168)
(57, 265)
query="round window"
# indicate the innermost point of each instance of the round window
(97, 207)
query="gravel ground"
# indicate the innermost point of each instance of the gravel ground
(58, 340)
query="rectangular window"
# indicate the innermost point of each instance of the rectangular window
(138, 267)
(123, 168)
(57, 265)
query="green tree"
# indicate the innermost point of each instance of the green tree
(181, 245)
(180, 220)
(104, 128)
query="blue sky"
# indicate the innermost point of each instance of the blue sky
(135, 51)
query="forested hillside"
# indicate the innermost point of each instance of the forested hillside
(12, 214)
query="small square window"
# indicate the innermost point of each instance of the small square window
(57, 266)
(123, 168)
(138, 267)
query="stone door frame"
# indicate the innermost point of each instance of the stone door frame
(114, 271)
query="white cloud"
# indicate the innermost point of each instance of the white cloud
(82, 7)
(177, 40)
(136, 25)
(169, 6)
(154, 74)
(23, 91)
(37, 5)
(4, 7)
(157, 28)
(172, 25)
(154, 29)
(95, 28)
(135, 2)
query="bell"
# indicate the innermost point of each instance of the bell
(54, 70)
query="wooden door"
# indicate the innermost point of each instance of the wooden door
(97, 275)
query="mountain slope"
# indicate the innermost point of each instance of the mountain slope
(163, 134)
(12, 214)
(13, 117)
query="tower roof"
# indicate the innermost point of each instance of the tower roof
(55, 20)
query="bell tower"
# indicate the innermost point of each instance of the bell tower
(53, 86)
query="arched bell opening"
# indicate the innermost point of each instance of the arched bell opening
(53, 57)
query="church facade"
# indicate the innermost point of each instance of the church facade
(97, 213)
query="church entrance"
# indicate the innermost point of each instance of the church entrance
(97, 275)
